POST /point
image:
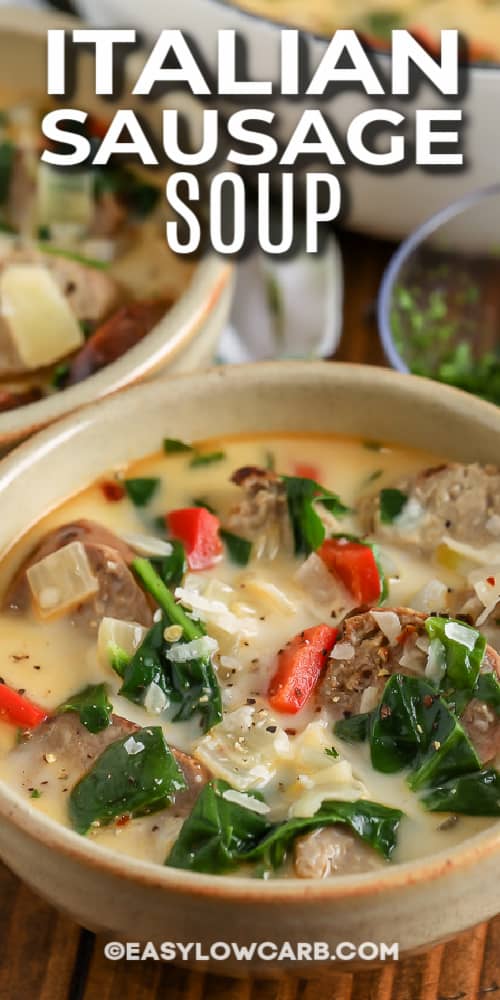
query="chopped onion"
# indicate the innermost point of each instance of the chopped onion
(155, 700)
(388, 623)
(133, 746)
(316, 579)
(268, 595)
(181, 652)
(319, 775)
(488, 593)
(323, 588)
(369, 699)
(342, 651)
(433, 596)
(246, 801)
(62, 580)
(114, 633)
(461, 634)
(410, 516)
(245, 749)
(436, 661)
(216, 612)
(487, 554)
(411, 658)
(230, 663)
(149, 545)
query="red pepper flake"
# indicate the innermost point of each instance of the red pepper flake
(428, 700)
(385, 712)
(123, 820)
(491, 580)
(407, 631)
(112, 490)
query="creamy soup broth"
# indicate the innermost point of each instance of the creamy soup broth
(50, 660)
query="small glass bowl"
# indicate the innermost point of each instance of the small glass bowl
(439, 301)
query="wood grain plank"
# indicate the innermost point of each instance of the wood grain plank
(489, 988)
(38, 945)
(365, 260)
(461, 966)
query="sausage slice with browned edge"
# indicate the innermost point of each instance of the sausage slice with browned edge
(118, 334)
(119, 594)
(54, 757)
(354, 682)
(458, 501)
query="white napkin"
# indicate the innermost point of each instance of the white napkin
(285, 308)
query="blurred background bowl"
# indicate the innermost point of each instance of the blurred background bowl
(439, 303)
(187, 335)
(383, 203)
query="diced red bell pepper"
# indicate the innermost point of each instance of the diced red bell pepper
(15, 708)
(306, 471)
(355, 565)
(299, 667)
(198, 530)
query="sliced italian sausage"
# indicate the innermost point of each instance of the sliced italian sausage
(459, 501)
(355, 679)
(333, 850)
(118, 334)
(58, 753)
(119, 594)
(262, 514)
(12, 400)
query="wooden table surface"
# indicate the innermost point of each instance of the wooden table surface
(46, 956)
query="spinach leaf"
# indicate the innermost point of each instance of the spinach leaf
(92, 705)
(206, 458)
(172, 568)
(376, 824)
(141, 490)
(413, 727)
(355, 729)
(201, 502)
(391, 503)
(146, 666)
(191, 684)
(53, 251)
(381, 23)
(7, 155)
(239, 548)
(118, 658)
(476, 794)
(220, 834)
(136, 775)
(464, 649)
(173, 445)
(488, 689)
(302, 495)
(175, 613)
(139, 196)
(217, 832)
(59, 375)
